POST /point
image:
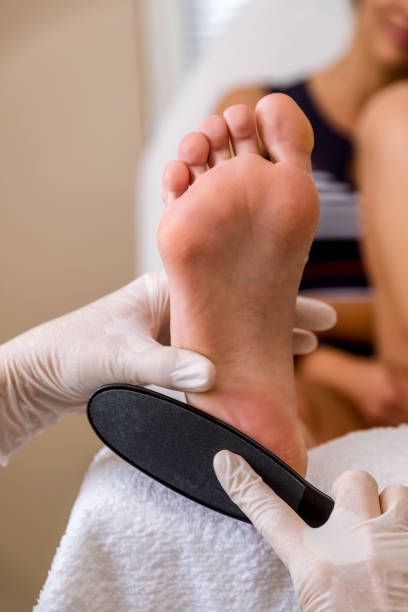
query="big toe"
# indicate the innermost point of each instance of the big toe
(285, 130)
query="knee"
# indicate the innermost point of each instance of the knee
(384, 118)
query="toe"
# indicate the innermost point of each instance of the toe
(216, 131)
(176, 178)
(285, 130)
(193, 150)
(242, 129)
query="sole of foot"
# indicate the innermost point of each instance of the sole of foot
(234, 238)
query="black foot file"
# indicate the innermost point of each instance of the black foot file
(175, 444)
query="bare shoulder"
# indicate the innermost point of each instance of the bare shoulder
(385, 115)
(244, 95)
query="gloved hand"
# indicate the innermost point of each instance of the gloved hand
(356, 562)
(53, 368)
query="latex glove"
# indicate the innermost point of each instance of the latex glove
(310, 315)
(357, 561)
(53, 368)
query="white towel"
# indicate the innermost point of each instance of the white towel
(132, 544)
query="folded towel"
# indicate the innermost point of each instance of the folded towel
(132, 544)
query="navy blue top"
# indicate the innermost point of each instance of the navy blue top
(335, 263)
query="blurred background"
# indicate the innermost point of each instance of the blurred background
(95, 95)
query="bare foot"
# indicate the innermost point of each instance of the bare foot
(234, 246)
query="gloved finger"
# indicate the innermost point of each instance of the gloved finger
(269, 514)
(171, 367)
(357, 491)
(304, 341)
(395, 495)
(314, 314)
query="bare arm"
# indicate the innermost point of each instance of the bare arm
(383, 181)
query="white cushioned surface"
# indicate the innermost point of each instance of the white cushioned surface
(132, 544)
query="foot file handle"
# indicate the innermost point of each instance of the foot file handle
(175, 444)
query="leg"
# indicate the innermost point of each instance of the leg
(234, 247)
(382, 163)
(326, 412)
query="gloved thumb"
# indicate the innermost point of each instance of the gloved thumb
(270, 515)
(314, 314)
(171, 367)
(304, 341)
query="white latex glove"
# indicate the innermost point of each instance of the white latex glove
(356, 562)
(310, 315)
(53, 368)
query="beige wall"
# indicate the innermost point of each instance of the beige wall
(70, 131)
